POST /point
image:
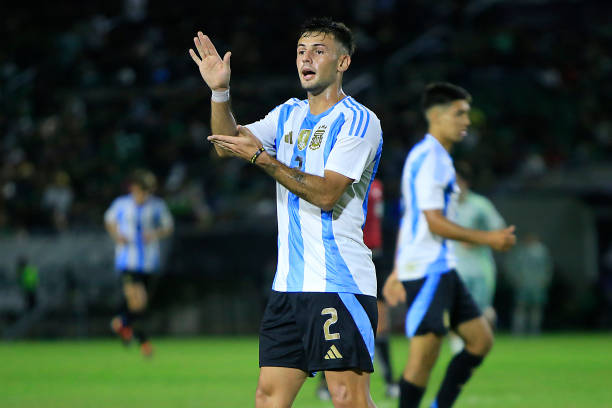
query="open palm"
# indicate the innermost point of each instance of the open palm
(214, 70)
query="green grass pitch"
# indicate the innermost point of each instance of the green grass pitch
(556, 371)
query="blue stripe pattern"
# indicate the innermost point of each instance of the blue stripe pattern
(360, 109)
(374, 170)
(434, 404)
(447, 194)
(332, 136)
(121, 260)
(354, 115)
(421, 303)
(414, 170)
(285, 111)
(361, 319)
(338, 277)
(140, 239)
(295, 278)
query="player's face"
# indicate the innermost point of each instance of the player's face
(454, 120)
(138, 193)
(318, 61)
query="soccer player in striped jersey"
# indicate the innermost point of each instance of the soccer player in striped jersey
(136, 222)
(323, 152)
(424, 274)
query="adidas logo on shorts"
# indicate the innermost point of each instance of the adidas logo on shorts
(333, 353)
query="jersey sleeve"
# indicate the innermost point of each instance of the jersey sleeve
(110, 215)
(351, 154)
(265, 130)
(430, 182)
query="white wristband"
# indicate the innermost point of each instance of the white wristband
(220, 96)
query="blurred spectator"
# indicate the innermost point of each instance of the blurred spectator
(475, 263)
(530, 267)
(27, 275)
(57, 198)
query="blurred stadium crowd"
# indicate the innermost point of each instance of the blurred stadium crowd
(92, 90)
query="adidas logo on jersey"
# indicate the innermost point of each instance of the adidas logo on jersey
(333, 353)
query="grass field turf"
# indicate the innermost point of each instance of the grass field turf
(570, 370)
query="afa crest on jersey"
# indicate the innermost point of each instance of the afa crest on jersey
(303, 138)
(315, 143)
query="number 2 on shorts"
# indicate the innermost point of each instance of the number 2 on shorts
(332, 319)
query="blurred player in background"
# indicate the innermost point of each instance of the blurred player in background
(530, 269)
(475, 263)
(424, 274)
(373, 238)
(136, 222)
(323, 152)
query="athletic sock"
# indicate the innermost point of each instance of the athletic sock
(137, 324)
(458, 372)
(410, 394)
(382, 350)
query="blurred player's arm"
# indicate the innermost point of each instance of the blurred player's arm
(323, 192)
(393, 290)
(500, 240)
(113, 230)
(165, 229)
(216, 73)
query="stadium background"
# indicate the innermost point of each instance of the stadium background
(91, 90)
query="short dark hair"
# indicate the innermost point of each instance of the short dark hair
(144, 179)
(325, 25)
(442, 93)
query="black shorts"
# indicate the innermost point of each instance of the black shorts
(437, 302)
(318, 331)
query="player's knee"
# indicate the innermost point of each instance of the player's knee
(482, 344)
(263, 396)
(345, 397)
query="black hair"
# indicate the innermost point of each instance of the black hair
(442, 93)
(325, 25)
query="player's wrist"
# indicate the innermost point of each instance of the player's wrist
(220, 95)
(256, 155)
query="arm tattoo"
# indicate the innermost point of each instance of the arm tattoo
(298, 176)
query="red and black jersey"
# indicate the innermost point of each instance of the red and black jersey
(372, 231)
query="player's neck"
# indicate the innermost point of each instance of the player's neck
(446, 143)
(324, 100)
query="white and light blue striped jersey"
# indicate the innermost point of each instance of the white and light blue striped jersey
(323, 251)
(133, 222)
(428, 183)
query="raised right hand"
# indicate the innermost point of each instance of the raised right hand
(214, 70)
(503, 239)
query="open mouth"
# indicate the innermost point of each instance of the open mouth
(308, 74)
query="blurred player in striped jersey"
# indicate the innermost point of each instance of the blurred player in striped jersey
(425, 273)
(475, 263)
(323, 152)
(136, 222)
